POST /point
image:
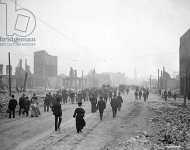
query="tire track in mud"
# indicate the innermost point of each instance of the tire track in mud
(68, 138)
(29, 120)
(88, 132)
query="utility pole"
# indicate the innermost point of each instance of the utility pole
(150, 82)
(158, 79)
(25, 80)
(185, 88)
(82, 80)
(9, 57)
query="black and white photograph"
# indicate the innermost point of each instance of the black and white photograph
(94, 74)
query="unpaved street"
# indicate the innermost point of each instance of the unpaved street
(38, 134)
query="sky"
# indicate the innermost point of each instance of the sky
(108, 35)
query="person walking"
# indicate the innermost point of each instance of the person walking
(35, 111)
(144, 95)
(27, 106)
(147, 93)
(79, 115)
(119, 101)
(21, 104)
(101, 106)
(136, 94)
(140, 94)
(174, 96)
(93, 100)
(114, 105)
(57, 112)
(11, 107)
(47, 102)
(165, 95)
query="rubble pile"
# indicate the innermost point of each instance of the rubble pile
(4, 99)
(171, 127)
(139, 142)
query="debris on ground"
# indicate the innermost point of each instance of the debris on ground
(171, 127)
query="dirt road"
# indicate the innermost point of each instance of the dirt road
(37, 134)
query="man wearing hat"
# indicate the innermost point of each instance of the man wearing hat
(101, 106)
(57, 111)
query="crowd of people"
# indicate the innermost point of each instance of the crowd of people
(24, 106)
(165, 94)
(53, 101)
(141, 92)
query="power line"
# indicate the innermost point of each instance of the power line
(55, 29)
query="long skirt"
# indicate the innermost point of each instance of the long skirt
(80, 123)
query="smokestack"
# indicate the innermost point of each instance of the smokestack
(1, 69)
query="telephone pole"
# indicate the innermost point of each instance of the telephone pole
(82, 81)
(150, 82)
(9, 57)
(158, 79)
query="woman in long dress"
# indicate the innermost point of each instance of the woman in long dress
(79, 115)
(35, 111)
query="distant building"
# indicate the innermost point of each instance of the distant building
(23, 75)
(1, 69)
(166, 82)
(73, 81)
(184, 61)
(4, 78)
(45, 66)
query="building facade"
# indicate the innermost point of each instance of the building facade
(45, 66)
(184, 61)
(73, 81)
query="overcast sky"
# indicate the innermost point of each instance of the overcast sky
(109, 35)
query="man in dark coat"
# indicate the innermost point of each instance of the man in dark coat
(114, 105)
(144, 95)
(21, 104)
(12, 106)
(93, 100)
(140, 94)
(119, 101)
(57, 111)
(27, 106)
(47, 102)
(165, 95)
(101, 106)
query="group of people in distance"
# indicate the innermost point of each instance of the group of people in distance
(96, 99)
(142, 92)
(115, 102)
(24, 106)
(53, 101)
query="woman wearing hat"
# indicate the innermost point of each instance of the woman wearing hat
(79, 115)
